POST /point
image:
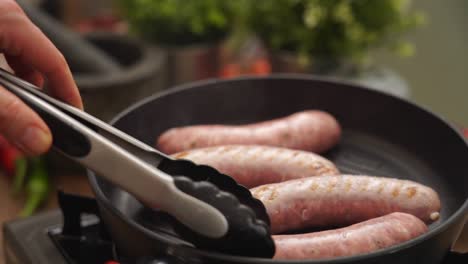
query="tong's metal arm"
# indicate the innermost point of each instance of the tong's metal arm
(75, 135)
(128, 143)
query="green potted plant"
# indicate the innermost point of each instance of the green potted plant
(191, 32)
(333, 37)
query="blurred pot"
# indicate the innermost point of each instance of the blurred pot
(372, 76)
(80, 54)
(192, 63)
(111, 70)
(142, 74)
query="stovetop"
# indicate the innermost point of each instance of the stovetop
(72, 234)
(39, 240)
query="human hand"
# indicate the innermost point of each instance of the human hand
(33, 57)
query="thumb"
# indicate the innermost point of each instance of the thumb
(22, 126)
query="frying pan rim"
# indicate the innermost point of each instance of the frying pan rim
(460, 213)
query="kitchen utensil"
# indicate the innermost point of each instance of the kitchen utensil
(212, 208)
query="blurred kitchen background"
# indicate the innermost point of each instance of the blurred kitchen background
(413, 49)
(121, 51)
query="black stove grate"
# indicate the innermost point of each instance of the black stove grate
(79, 241)
(85, 249)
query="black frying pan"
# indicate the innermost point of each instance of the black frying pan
(383, 136)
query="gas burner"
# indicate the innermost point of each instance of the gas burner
(73, 234)
(87, 248)
(81, 241)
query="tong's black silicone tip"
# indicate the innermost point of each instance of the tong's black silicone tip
(222, 181)
(247, 235)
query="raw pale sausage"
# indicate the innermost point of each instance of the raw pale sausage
(343, 200)
(313, 130)
(364, 237)
(254, 165)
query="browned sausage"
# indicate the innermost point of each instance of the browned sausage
(254, 165)
(343, 200)
(312, 130)
(364, 237)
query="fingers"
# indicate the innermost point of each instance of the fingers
(29, 133)
(25, 72)
(20, 39)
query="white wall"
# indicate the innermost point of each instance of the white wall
(438, 73)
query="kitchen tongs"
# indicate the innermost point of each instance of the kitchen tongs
(212, 210)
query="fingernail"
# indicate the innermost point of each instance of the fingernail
(35, 140)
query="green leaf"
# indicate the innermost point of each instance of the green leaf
(333, 29)
(20, 175)
(37, 187)
(180, 22)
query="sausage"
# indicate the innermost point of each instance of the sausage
(254, 165)
(343, 200)
(360, 238)
(312, 130)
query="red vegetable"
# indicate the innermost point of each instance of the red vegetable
(465, 132)
(13, 163)
(7, 156)
(230, 70)
(260, 67)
